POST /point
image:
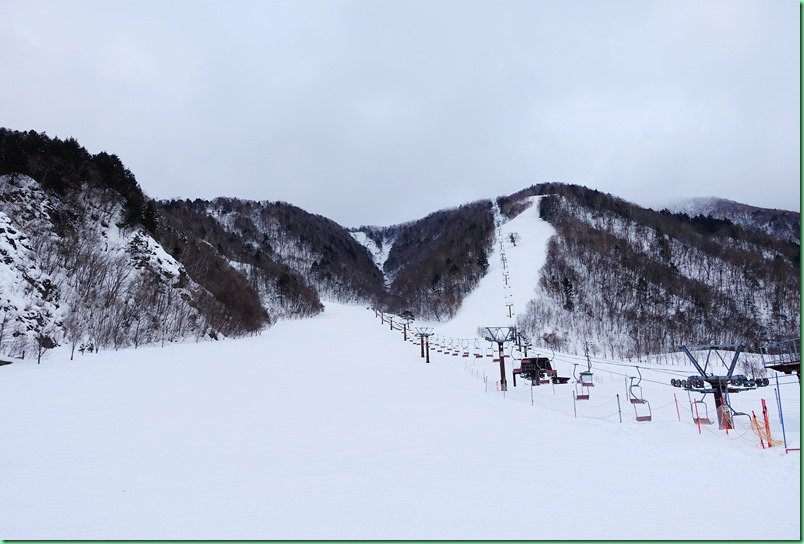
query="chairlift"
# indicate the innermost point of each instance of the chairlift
(700, 408)
(478, 349)
(642, 409)
(492, 353)
(515, 360)
(732, 412)
(581, 387)
(586, 378)
(465, 346)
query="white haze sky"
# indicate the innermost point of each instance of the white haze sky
(376, 112)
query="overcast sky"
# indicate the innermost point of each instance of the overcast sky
(376, 112)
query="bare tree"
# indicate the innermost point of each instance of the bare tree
(74, 328)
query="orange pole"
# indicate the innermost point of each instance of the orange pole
(761, 442)
(697, 418)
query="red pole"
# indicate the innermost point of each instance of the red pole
(697, 417)
(767, 423)
(677, 412)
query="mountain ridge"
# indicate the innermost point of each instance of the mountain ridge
(783, 223)
(238, 265)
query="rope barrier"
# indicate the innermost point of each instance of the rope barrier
(601, 417)
(671, 403)
(599, 405)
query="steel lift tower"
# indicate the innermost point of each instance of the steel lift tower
(719, 385)
(501, 335)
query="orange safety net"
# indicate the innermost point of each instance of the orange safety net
(764, 433)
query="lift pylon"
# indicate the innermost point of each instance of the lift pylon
(424, 334)
(501, 335)
(719, 385)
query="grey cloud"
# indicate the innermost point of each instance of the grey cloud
(375, 112)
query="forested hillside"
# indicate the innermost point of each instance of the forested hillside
(290, 258)
(436, 261)
(634, 281)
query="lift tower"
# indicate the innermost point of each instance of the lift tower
(501, 335)
(720, 386)
(424, 334)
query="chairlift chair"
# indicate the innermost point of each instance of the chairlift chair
(581, 391)
(581, 387)
(586, 378)
(635, 390)
(702, 411)
(493, 354)
(465, 348)
(514, 359)
(642, 410)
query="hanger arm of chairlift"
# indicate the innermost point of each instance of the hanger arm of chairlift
(693, 360)
(734, 360)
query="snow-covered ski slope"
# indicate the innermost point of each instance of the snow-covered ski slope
(333, 427)
(486, 304)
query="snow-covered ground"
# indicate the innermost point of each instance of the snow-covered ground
(333, 427)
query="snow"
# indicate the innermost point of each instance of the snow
(160, 259)
(379, 253)
(334, 428)
(22, 300)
